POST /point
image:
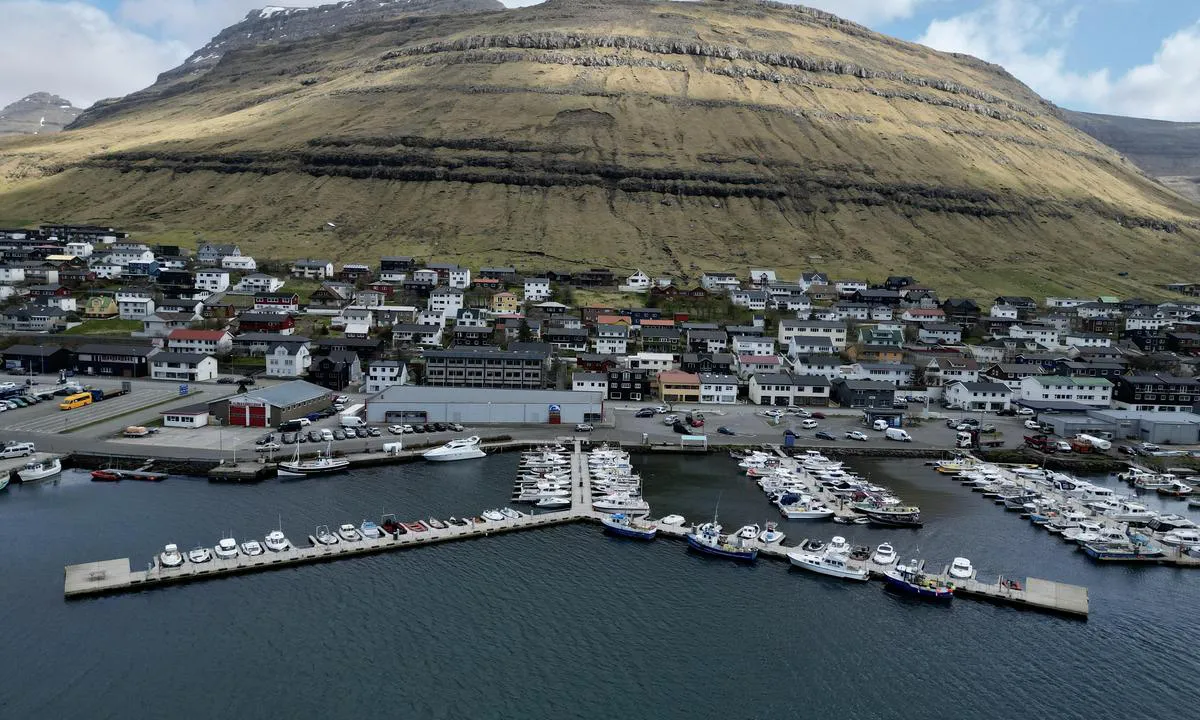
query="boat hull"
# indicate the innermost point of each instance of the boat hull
(302, 469)
(813, 564)
(906, 588)
(747, 555)
(892, 520)
(627, 531)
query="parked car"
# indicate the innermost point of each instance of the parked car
(584, 427)
(1032, 425)
(1127, 450)
(314, 436)
(772, 413)
(817, 415)
(799, 411)
(338, 407)
(900, 405)
(264, 439)
(8, 385)
(681, 428)
(374, 431)
(457, 427)
(247, 380)
(1150, 447)
(987, 429)
(268, 447)
(696, 422)
(856, 435)
(339, 434)
(1025, 411)
(644, 413)
(396, 429)
(808, 424)
(226, 380)
(825, 436)
(725, 431)
(341, 399)
(418, 428)
(407, 429)
(430, 427)
(441, 427)
(660, 409)
(1062, 446)
(670, 420)
(288, 438)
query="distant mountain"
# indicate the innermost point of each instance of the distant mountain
(37, 114)
(1168, 151)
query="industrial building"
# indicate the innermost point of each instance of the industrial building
(271, 406)
(1162, 428)
(481, 406)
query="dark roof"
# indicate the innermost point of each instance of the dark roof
(102, 349)
(33, 350)
(491, 353)
(179, 357)
(367, 343)
(661, 332)
(821, 359)
(197, 409)
(264, 337)
(865, 384)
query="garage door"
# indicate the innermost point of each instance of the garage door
(248, 415)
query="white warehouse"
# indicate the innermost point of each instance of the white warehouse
(482, 406)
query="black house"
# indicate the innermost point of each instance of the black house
(899, 282)
(335, 371)
(368, 349)
(864, 393)
(717, 363)
(626, 384)
(37, 358)
(113, 360)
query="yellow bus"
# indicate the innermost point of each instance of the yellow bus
(77, 400)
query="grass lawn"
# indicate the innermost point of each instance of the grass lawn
(105, 327)
(608, 298)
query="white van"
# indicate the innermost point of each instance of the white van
(21, 449)
(897, 434)
(880, 425)
(353, 421)
(808, 424)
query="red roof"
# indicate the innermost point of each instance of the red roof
(656, 323)
(183, 334)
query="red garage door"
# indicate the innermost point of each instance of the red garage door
(248, 415)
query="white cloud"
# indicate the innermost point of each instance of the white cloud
(1030, 39)
(76, 50)
(194, 22)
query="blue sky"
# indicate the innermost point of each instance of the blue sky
(1133, 57)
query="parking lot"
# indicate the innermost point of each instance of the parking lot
(46, 417)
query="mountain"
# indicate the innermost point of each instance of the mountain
(1168, 151)
(37, 114)
(673, 136)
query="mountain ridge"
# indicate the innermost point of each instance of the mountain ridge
(37, 113)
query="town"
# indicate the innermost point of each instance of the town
(508, 345)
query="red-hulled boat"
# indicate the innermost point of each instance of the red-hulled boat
(391, 525)
(106, 475)
(415, 526)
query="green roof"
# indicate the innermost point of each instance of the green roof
(1076, 381)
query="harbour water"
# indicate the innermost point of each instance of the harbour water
(564, 622)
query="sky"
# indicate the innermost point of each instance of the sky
(1126, 57)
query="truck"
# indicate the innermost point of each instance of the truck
(1040, 442)
(897, 434)
(1096, 442)
(963, 440)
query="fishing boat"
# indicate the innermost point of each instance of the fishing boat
(250, 548)
(457, 449)
(370, 530)
(885, 554)
(630, 527)
(891, 515)
(170, 556)
(324, 463)
(707, 538)
(830, 562)
(910, 580)
(1183, 537)
(276, 541)
(1174, 489)
(325, 537)
(39, 470)
(226, 548)
(771, 535)
(620, 502)
(199, 555)
(349, 533)
(961, 569)
(1122, 550)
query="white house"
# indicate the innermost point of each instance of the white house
(945, 371)
(1060, 388)
(212, 280)
(131, 306)
(12, 275)
(612, 339)
(590, 382)
(834, 330)
(383, 374)
(786, 390)
(288, 359)
(446, 301)
(657, 362)
(810, 345)
(749, 299)
(1085, 339)
(846, 288)
(417, 334)
(242, 263)
(79, 249)
(978, 396)
(719, 281)
(192, 416)
(761, 276)
(939, 333)
(537, 289)
(257, 283)
(718, 388)
(1004, 312)
(160, 324)
(637, 282)
(107, 270)
(753, 345)
(183, 366)
(126, 254)
(312, 269)
(459, 277)
(823, 365)
(428, 276)
(798, 303)
(1146, 320)
(853, 311)
(1064, 302)
(209, 342)
(747, 365)
(898, 374)
(1042, 335)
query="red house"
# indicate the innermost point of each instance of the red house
(273, 322)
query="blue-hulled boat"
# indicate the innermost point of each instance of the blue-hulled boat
(707, 539)
(909, 579)
(624, 526)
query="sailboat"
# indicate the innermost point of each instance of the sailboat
(322, 464)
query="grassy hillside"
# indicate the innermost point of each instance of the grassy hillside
(675, 137)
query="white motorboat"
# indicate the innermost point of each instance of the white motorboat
(325, 537)
(510, 513)
(961, 568)
(251, 548)
(277, 542)
(322, 464)
(885, 554)
(673, 520)
(226, 548)
(771, 535)
(39, 470)
(349, 533)
(553, 502)
(457, 449)
(749, 532)
(829, 563)
(838, 546)
(370, 529)
(493, 515)
(1183, 537)
(1132, 513)
(801, 507)
(170, 556)
(199, 555)
(621, 502)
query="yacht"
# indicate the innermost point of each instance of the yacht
(620, 502)
(885, 554)
(553, 502)
(961, 569)
(771, 535)
(226, 548)
(39, 470)
(794, 506)
(325, 537)
(349, 533)
(199, 555)
(277, 542)
(890, 515)
(251, 548)
(830, 562)
(1132, 513)
(1169, 522)
(457, 449)
(1184, 538)
(1102, 536)
(369, 529)
(322, 464)
(170, 556)
(1176, 488)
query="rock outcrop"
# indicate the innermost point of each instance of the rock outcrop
(37, 114)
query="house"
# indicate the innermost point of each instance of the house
(125, 253)
(472, 318)
(213, 254)
(504, 274)
(719, 281)
(505, 303)
(1147, 320)
(288, 357)
(183, 366)
(241, 263)
(383, 374)
(877, 296)
(100, 307)
(210, 342)
(708, 341)
(331, 296)
(1042, 335)
(747, 365)
(353, 272)
(162, 323)
(272, 322)
(536, 289)
(485, 367)
(809, 279)
(395, 268)
(1184, 343)
(761, 276)
(718, 388)
(1012, 374)
(834, 330)
(721, 363)
(847, 310)
(612, 339)
(354, 315)
(655, 362)
(863, 393)
(81, 249)
(1074, 368)
(446, 300)
(676, 386)
(212, 280)
(140, 269)
(312, 269)
(898, 374)
(1147, 392)
(190, 416)
(963, 312)
(417, 334)
(978, 396)
(809, 345)
(368, 349)
(33, 318)
(114, 360)
(590, 382)
(257, 283)
(939, 334)
(1059, 388)
(131, 306)
(469, 335)
(637, 282)
(53, 295)
(749, 299)
(278, 302)
(946, 370)
(846, 288)
(41, 359)
(753, 345)
(825, 365)
(562, 338)
(1004, 312)
(107, 271)
(920, 315)
(271, 406)
(783, 389)
(629, 384)
(336, 370)
(594, 277)
(1086, 339)
(595, 362)
(899, 282)
(1025, 305)
(12, 275)
(458, 277)
(660, 339)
